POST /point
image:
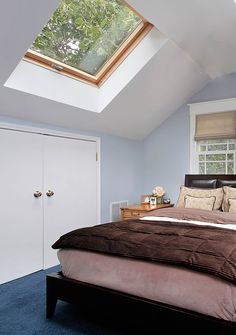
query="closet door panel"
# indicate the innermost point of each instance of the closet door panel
(70, 172)
(21, 214)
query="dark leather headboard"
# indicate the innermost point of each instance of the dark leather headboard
(203, 183)
(223, 182)
(210, 180)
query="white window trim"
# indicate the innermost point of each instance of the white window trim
(206, 107)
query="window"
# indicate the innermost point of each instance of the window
(87, 39)
(213, 149)
(216, 156)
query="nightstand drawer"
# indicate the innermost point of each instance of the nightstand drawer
(136, 214)
(138, 211)
(127, 214)
(131, 214)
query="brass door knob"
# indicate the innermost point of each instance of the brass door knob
(49, 193)
(37, 194)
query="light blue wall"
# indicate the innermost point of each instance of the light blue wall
(121, 169)
(166, 150)
(130, 168)
(166, 154)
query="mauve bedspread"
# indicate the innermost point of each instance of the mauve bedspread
(159, 282)
(196, 215)
(202, 248)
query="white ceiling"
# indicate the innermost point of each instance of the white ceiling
(203, 28)
(201, 45)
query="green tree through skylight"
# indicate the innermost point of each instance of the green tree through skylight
(86, 33)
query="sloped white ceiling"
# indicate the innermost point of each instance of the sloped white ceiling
(176, 72)
(20, 21)
(203, 28)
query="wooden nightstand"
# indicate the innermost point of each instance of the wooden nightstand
(137, 211)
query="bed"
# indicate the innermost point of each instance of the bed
(183, 287)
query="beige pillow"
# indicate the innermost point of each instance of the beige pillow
(229, 192)
(206, 203)
(232, 205)
(203, 193)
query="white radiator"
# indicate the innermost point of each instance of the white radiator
(115, 213)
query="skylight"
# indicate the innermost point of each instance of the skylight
(88, 38)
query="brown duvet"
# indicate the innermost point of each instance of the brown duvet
(201, 248)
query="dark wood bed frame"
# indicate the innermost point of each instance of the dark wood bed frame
(59, 287)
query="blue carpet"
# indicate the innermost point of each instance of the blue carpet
(22, 312)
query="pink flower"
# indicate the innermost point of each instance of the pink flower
(158, 191)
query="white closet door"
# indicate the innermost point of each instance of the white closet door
(70, 172)
(21, 213)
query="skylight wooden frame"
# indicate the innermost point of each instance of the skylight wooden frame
(109, 67)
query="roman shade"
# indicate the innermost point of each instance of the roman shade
(215, 126)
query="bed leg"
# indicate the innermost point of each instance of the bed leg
(51, 305)
(51, 299)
